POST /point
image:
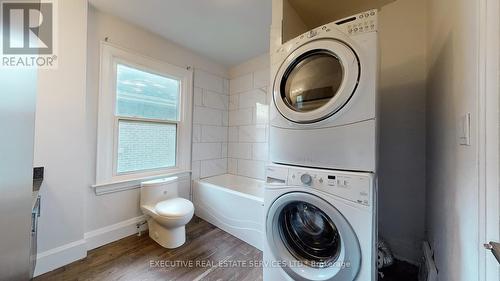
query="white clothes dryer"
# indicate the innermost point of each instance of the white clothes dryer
(324, 108)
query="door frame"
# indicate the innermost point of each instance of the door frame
(488, 134)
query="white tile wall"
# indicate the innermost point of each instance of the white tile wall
(205, 151)
(213, 167)
(241, 84)
(210, 125)
(242, 116)
(251, 168)
(213, 133)
(248, 124)
(208, 81)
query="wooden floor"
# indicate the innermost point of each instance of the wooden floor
(209, 254)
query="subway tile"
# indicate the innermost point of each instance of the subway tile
(241, 84)
(251, 169)
(225, 118)
(225, 86)
(205, 151)
(213, 134)
(232, 166)
(253, 133)
(198, 96)
(261, 78)
(252, 98)
(240, 117)
(234, 102)
(215, 100)
(239, 150)
(224, 150)
(233, 134)
(213, 167)
(196, 133)
(195, 170)
(208, 81)
(207, 116)
(261, 114)
(260, 151)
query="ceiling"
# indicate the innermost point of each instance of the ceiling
(228, 32)
(318, 12)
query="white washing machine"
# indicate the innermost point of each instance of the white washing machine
(325, 97)
(320, 225)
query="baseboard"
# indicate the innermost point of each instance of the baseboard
(60, 256)
(66, 254)
(111, 233)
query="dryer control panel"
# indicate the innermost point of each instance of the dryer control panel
(360, 23)
(352, 186)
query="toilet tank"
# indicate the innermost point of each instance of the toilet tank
(154, 191)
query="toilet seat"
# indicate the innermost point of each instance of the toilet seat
(174, 208)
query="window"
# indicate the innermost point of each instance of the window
(144, 127)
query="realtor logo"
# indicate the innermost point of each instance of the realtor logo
(28, 37)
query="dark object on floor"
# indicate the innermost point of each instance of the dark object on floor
(399, 271)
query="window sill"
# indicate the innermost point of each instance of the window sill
(118, 186)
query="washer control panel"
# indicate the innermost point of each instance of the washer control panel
(356, 187)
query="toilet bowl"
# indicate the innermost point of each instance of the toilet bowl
(166, 212)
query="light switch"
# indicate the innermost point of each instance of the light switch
(464, 130)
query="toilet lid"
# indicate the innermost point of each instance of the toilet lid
(177, 207)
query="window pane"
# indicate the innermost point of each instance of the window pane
(146, 95)
(145, 146)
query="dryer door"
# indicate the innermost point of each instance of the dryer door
(311, 239)
(316, 81)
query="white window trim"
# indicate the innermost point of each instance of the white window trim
(106, 131)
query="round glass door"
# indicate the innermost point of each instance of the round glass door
(311, 239)
(309, 234)
(312, 81)
(316, 80)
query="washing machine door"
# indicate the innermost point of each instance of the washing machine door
(311, 240)
(316, 80)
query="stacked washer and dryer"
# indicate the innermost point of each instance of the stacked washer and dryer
(320, 196)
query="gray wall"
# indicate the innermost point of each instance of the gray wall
(402, 126)
(17, 120)
(452, 189)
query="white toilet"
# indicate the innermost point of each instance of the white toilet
(166, 212)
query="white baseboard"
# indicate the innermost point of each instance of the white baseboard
(102, 236)
(60, 256)
(66, 254)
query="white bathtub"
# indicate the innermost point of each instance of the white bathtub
(234, 204)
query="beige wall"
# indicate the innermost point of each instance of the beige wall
(402, 31)
(452, 199)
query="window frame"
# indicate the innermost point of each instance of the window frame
(108, 120)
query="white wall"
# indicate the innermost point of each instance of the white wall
(402, 31)
(210, 124)
(452, 179)
(248, 118)
(73, 217)
(110, 209)
(60, 138)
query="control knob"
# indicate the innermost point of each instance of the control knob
(306, 179)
